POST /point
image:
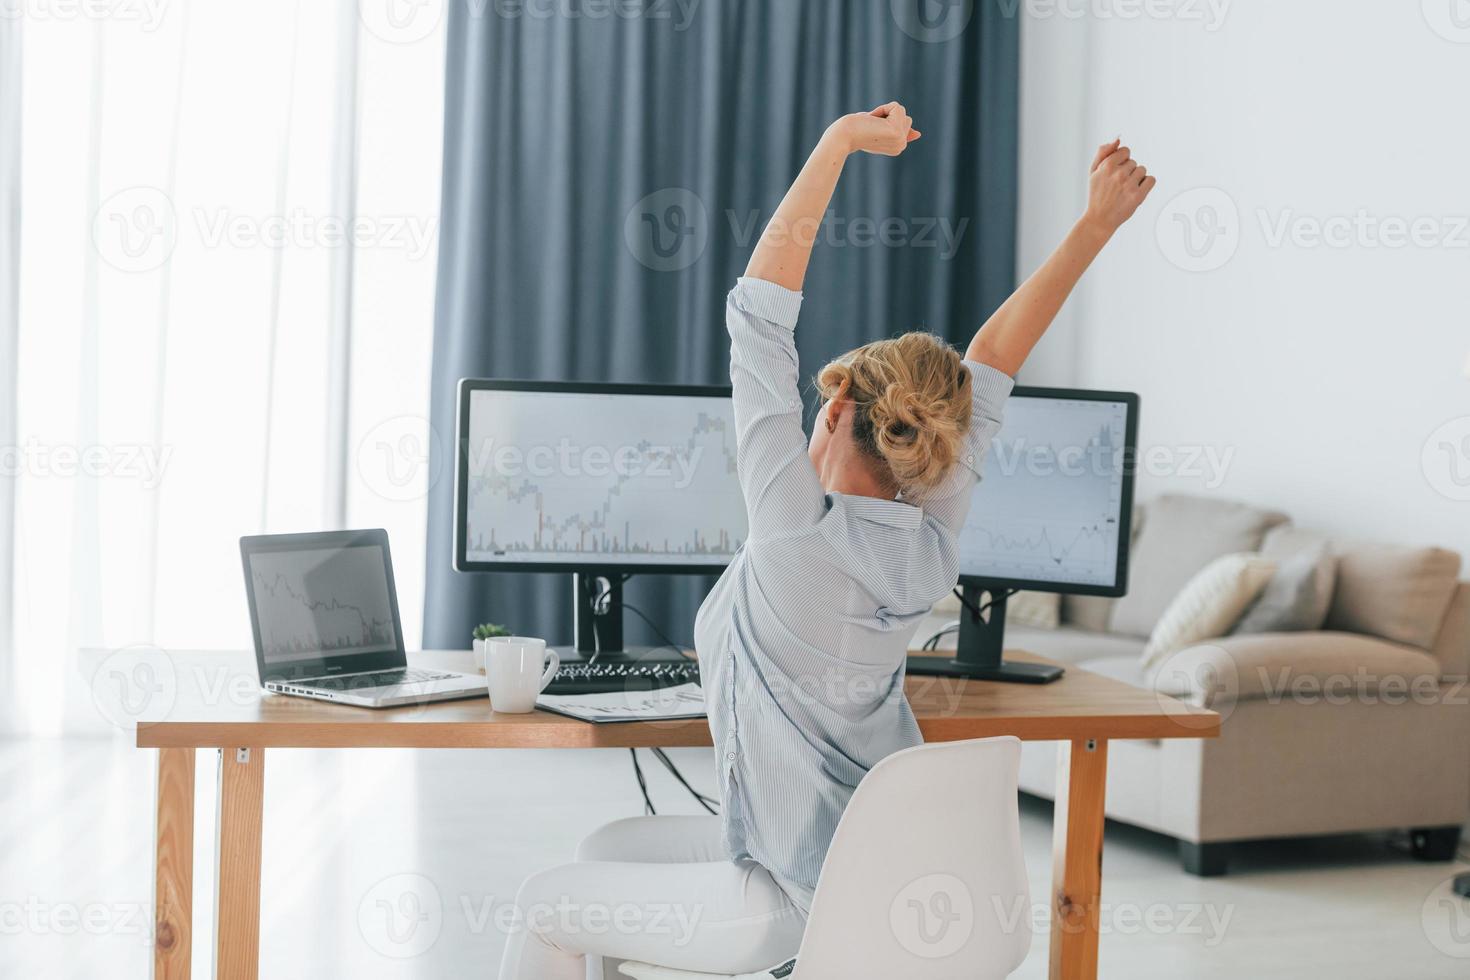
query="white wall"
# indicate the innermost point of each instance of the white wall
(1320, 372)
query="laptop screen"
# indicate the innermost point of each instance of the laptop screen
(317, 603)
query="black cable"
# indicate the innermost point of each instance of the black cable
(933, 642)
(642, 785)
(651, 625)
(980, 611)
(597, 600)
(699, 797)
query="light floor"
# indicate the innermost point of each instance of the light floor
(443, 838)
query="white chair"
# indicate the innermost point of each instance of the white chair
(924, 880)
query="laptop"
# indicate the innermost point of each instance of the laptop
(325, 617)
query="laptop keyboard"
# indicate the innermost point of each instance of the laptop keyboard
(382, 678)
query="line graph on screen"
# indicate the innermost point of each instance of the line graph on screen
(1048, 508)
(556, 477)
(322, 602)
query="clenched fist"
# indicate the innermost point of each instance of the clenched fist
(1117, 186)
(887, 130)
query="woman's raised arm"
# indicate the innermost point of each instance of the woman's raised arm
(1116, 187)
(785, 247)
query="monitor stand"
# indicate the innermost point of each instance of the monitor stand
(597, 620)
(980, 652)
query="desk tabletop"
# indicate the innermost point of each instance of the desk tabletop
(212, 699)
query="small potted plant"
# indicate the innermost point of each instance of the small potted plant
(483, 633)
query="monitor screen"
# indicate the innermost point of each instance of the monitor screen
(311, 603)
(586, 476)
(1054, 503)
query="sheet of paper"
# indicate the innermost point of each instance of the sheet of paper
(663, 704)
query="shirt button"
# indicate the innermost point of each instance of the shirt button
(970, 458)
(730, 756)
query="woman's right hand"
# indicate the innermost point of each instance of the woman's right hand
(887, 130)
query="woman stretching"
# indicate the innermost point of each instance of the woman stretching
(802, 641)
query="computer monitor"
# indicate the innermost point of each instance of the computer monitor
(601, 480)
(1052, 514)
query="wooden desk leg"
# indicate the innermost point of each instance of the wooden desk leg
(1077, 839)
(173, 865)
(237, 859)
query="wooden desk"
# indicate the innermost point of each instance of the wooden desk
(216, 705)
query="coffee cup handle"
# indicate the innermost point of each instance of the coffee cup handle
(553, 665)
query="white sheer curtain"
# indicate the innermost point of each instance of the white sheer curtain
(225, 239)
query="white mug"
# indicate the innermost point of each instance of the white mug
(516, 669)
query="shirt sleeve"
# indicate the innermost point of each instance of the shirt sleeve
(949, 502)
(782, 492)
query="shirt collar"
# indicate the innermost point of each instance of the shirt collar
(893, 513)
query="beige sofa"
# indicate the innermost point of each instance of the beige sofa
(1363, 725)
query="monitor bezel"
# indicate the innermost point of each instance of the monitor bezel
(329, 664)
(1125, 516)
(591, 563)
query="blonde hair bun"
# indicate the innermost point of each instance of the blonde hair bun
(912, 401)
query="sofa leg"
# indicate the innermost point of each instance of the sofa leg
(1204, 860)
(1435, 843)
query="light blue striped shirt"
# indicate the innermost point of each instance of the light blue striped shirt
(802, 642)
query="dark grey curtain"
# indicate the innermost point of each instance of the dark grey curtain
(605, 178)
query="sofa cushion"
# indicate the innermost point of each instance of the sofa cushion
(1209, 605)
(1452, 649)
(1298, 595)
(1399, 594)
(1180, 536)
(1073, 646)
(1305, 668)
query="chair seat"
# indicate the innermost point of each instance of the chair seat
(646, 971)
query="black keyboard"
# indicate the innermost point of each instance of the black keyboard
(604, 678)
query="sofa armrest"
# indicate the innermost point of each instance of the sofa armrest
(1302, 667)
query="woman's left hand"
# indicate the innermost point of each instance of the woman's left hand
(1117, 186)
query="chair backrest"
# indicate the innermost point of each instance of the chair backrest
(925, 879)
